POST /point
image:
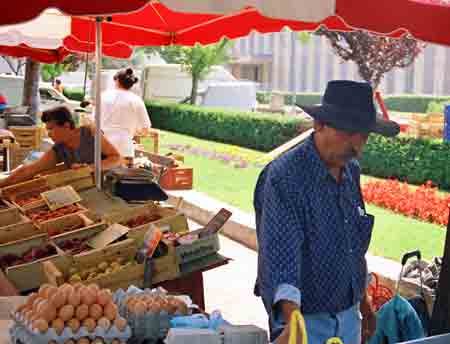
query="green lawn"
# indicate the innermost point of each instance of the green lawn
(393, 234)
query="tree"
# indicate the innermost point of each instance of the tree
(71, 63)
(373, 54)
(197, 60)
(31, 86)
(15, 64)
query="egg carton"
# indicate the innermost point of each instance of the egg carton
(149, 326)
(21, 332)
(23, 335)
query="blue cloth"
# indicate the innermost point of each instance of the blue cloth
(313, 234)
(397, 321)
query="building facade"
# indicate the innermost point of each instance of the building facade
(281, 62)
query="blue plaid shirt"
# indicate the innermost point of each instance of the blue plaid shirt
(313, 233)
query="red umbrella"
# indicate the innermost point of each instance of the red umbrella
(40, 55)
(24, 10)
(427, 20)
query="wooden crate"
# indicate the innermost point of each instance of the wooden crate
(38, 223)
(21, 230)
(153, 135)
(79, 178)
(9, 214)
(177, 178)
(27, 137)
(64, 224)
(27, 276)
(165, 268)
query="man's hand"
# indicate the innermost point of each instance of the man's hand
(287, 309)
(369, 320)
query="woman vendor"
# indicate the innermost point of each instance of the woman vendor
(72, 146)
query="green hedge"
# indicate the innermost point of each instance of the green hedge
(74, 93)
(402, 102)
(413, 160)
(247, 129)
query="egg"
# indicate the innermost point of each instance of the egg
(104, 297)
(87, 296)
(58, 326)
(104, 323)
(82, 312)
(41, 325)
(90, 324)
(37, 302)
(31, 298)
(115, 341)
(50, 291)
(83, 340)
(139, 308)
(110, 311)
(77, 285)
(66, 312)
(74, 324)
(74, 298)
(120, 323)
(42, 290)
(58, 299)
(47, 311)
(95, 311)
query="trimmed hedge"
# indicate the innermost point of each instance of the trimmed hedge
(413, 160)
(74, 93)
(254, 130)
(402, 102)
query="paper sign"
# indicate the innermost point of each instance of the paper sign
(216, 223)
(60, 197)
(152, 239)
(109, 235)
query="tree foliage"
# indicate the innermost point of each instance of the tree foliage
(197, 60)
(71, 63)
(373, 54)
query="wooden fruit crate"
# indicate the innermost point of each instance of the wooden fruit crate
(27, 137)
(11, 192)
(27, 276)
(66, 224)
(79, 179)
(177, 178)
(30, 212)
(21, 230)
(165, 268)
(9, 214)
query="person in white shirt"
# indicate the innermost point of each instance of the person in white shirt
(124, 114)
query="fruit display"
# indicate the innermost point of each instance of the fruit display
(74, 246)
(142, 220)
(31, 255)
(72, 314)
(52, 231)
(101, 270)
(143, 303)
(44, 214)
(28, 200)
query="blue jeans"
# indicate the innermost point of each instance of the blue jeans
(321, 326)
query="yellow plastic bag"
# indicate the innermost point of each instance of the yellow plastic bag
(297, 318)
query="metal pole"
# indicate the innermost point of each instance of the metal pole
(98, 98)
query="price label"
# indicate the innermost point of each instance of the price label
(61, 197)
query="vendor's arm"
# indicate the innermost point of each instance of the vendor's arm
(280, 239)
(25, 172)
(143, 120)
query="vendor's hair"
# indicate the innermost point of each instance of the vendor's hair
(126, 78)
(59, 115)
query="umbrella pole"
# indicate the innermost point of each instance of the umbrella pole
(98, 96)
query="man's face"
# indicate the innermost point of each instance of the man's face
(343, 146)
(56, 132)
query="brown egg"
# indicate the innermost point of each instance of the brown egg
(104, 323)
(95, 311)
(110, 311)
(66, 312)
(139, 308)
(77, 286)
(74, 298)
(58, 326)
(58, 299)
(87, 296)
(83, 340)
(31, 298)
(37, 302)
(82, 312)
(41, 325)
(90, 324)
(120, 323)
(74, 324)
(42, 290)
(47, 311)
(104, 297)
(50, 291)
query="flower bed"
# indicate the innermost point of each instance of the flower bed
(423, 202)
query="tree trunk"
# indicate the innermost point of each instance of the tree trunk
(31, 87)
(194, 90)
